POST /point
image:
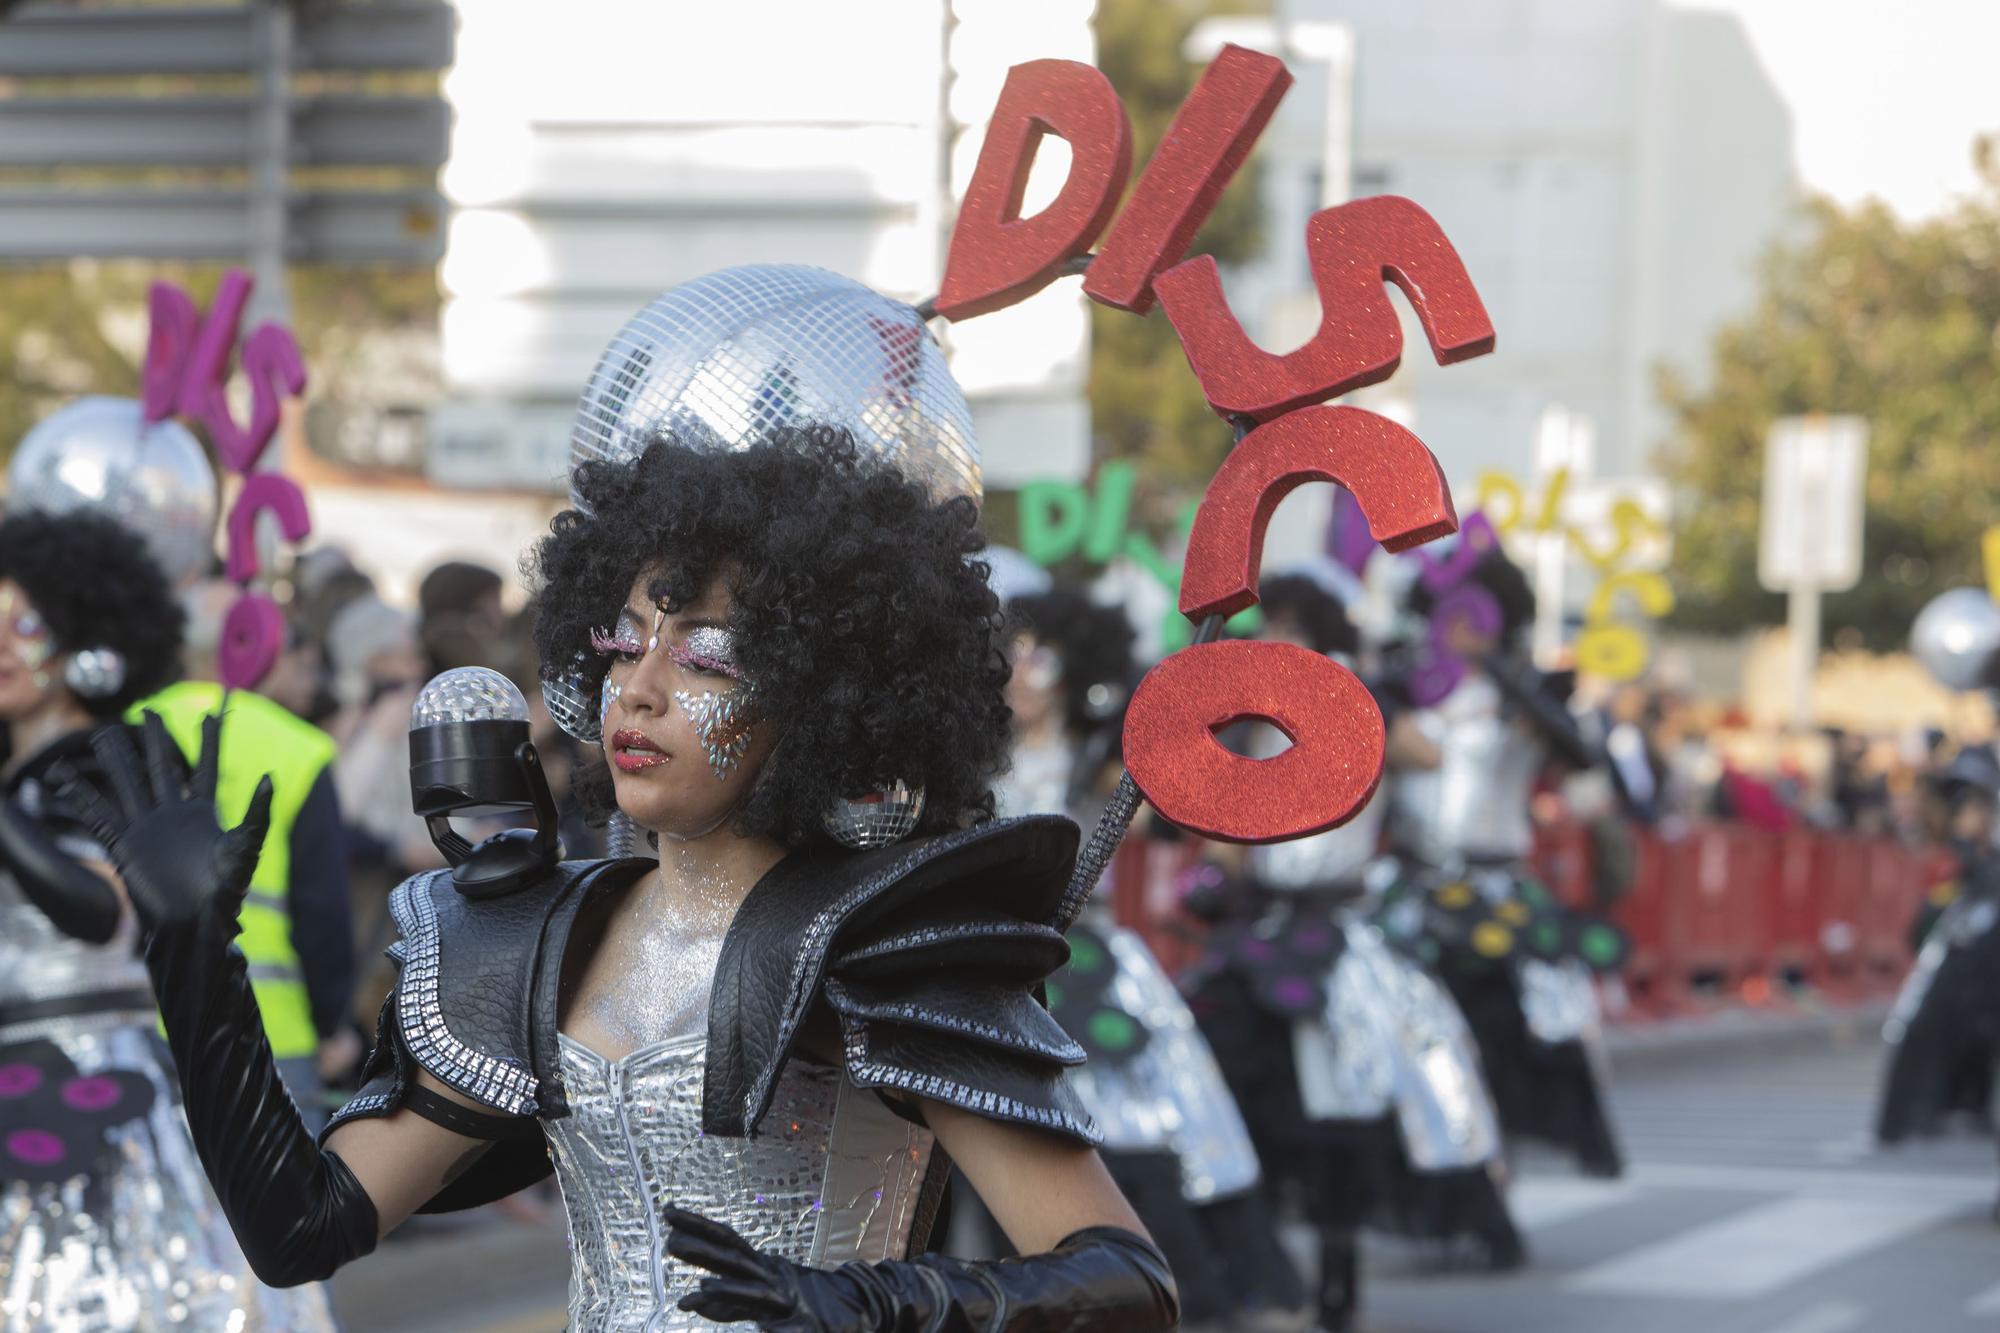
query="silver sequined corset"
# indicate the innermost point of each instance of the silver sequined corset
(833, 1175)
(1474, 805)
(39, 962)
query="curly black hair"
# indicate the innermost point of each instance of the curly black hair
(1095, 644)
(95, 586)
(1315, 610)
(860, 614)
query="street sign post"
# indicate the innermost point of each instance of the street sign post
(53, 143)
(1809, 533)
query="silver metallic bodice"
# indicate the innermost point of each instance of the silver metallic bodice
(1171, 1095)
(39, 962)
(834, 1175)
(1474, 805)
(1324, 860)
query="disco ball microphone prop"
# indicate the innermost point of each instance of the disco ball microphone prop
(470, 755)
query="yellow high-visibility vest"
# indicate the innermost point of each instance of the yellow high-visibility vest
(259, 737)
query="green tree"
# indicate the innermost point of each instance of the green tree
(80, 328)
(1893, 321)
(1144, 402)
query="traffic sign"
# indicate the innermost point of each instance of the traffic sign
(1810, 528)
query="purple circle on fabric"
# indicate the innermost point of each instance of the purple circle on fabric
(1292, 992)
(19, 1080)
(1257, 951)
(37, 1147)
(94, 1093)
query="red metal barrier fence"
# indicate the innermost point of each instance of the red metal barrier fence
(1724, 911)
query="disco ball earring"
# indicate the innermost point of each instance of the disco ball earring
(93, 673)
(877, 819)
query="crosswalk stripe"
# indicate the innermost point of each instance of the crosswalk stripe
(1544, 1201)
(1986, 1303)
(1832, 1317)
(1755, 1252)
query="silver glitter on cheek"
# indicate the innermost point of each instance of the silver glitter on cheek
(722, 723)
(606, 697)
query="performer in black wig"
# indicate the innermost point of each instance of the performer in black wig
(1354, 1068)
(1518, 961)
(1944, 1029)
(747, 1058)
(106, 1222)
(1174, 1139)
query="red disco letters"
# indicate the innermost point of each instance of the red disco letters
(1353, 248)
(998, 257)
(1394, 478)
(1329, 772)
(1209, 140)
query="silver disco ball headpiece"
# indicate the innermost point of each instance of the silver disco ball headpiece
(100, 453)
(726, 358)
(721, 361)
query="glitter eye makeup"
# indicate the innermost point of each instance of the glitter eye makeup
(708, 648)
(622, 640)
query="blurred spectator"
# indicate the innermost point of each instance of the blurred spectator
(296, 927)
(461, 619)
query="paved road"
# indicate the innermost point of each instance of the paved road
(1755, 1204)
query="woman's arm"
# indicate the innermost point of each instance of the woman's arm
(1039, 1188)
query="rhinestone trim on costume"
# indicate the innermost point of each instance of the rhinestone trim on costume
(994, 1106)
(367, 1104)
(499, 1083)
(925, 936)
(905, 1012)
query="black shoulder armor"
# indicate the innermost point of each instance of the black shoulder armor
(929, 953)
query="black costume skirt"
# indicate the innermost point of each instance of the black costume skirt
(1344, 1173)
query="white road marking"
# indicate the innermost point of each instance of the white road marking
(1832, 1317)
(1986, 1303)
(1759, 1250)
(1544, 1201)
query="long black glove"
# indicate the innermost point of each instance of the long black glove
(1098, 1280)
(297, 1211)
(77, 901)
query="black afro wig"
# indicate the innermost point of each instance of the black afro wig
(860, 615)
(1094, 643)
(1317, 612)
(94, 585)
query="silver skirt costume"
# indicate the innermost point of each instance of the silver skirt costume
(1357, 1072)
(1518, 962)
(922, 956)
(106, 1220)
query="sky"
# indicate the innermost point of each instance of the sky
(1886, 95)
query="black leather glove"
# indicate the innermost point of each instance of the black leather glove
(297, 1211)
(1098, 1280)
(1526, 688)
(76, 900)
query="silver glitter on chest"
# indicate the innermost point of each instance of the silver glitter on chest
(651, 979)
(833, 1176)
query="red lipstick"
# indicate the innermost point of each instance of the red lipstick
(633, 750)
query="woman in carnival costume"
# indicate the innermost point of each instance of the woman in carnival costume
(1174, 1139)
(1353, 1065)
(749, 1059)
(106, 1221)
(1944, 1029)
(1518, 961)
